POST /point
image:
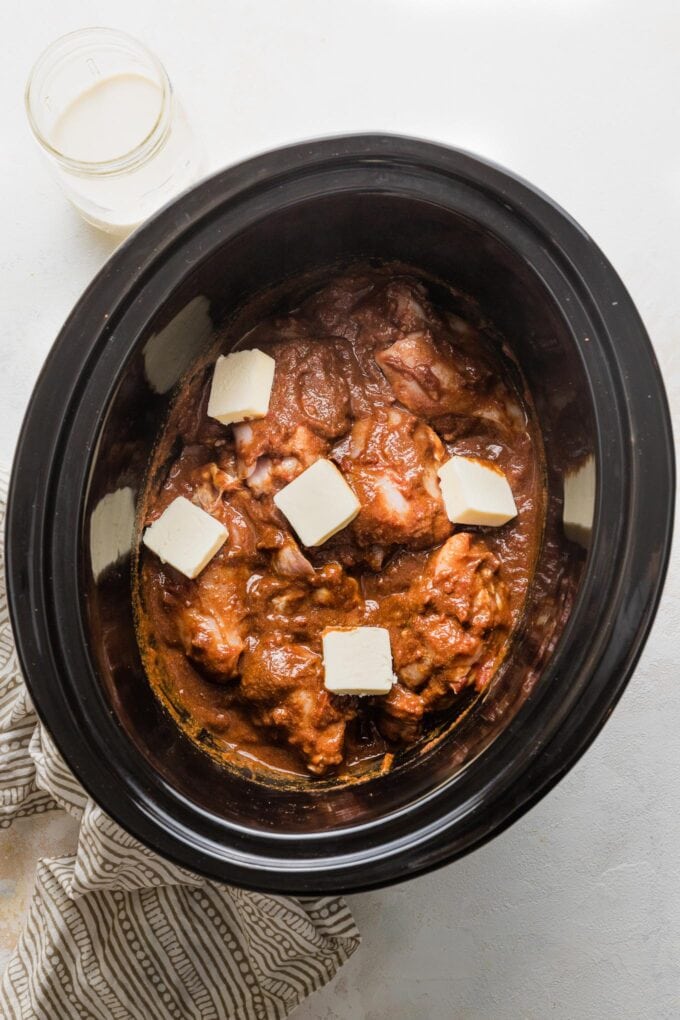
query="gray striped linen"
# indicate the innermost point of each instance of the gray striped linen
(117, 932)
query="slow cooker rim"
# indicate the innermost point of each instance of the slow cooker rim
(362, 142)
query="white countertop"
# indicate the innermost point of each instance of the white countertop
(575, 911)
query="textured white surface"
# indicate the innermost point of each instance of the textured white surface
(574, 912)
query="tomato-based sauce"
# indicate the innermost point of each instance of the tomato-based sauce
(387, 383)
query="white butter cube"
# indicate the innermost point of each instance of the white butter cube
(241, 386)
(185, 536)
(358, 661)
(476, 492)
(318, 503)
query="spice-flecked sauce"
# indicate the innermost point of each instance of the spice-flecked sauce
(376, 375)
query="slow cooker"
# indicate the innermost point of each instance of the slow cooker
(95, 415)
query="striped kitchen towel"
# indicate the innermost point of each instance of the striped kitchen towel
(116, 932)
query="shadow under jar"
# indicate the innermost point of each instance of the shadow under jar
(98, 410)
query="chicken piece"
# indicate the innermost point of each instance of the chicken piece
(401, 715)
(360, 302)
(289, 561)
(215, 487)
(252, 524)
(282, 684)
(316, 382)
(298, 602)
(292, 452)
(391, 462)
(471, 435)
(424, 376)
(333, 309)
(343, 549)
(370, 314)
(388, 311)
(464, 572)
(406, 305)
(199, 472)
(210, 615)
(446, 627)
(212, 486)
(309, 405)
(247, 512)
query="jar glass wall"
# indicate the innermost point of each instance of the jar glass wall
(103, 109)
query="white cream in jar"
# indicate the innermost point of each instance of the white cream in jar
(103, 109)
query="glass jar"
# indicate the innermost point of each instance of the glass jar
(102, 107)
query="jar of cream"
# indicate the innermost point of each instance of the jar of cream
(103, 109)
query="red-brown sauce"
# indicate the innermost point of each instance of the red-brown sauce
(376, 376)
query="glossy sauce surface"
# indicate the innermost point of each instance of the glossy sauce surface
(388, 383)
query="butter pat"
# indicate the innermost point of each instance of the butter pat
(185, 536)
(476, 492)
(318, 503)
(358, 661)
(241, 386)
